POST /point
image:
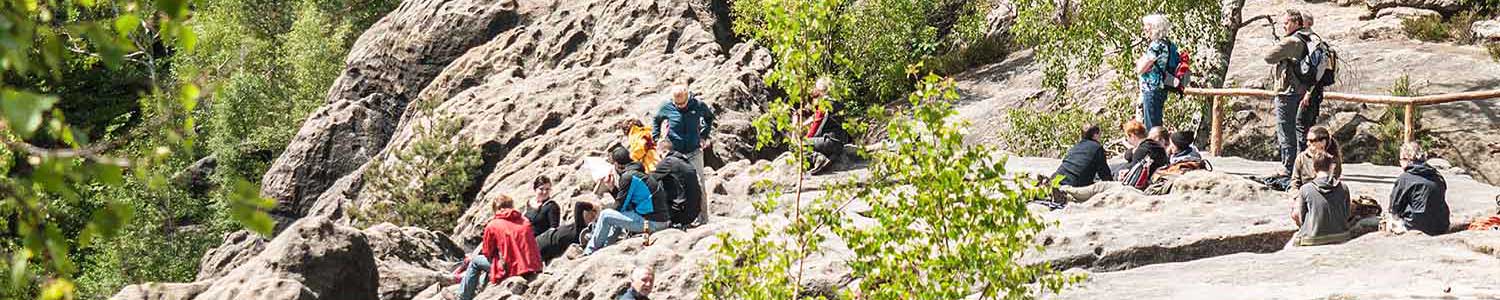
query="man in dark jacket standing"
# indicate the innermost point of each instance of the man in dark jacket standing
(1322, 213)
(1084, 164)
(680, 184)
(688, 122)
(1286, 55)
(1419, 200)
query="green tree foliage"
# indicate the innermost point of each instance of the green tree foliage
(869, 44)
(422, 185)
(952, 223)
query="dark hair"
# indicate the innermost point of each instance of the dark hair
(1090, 132)
(620, 155)
(626, 124)
(540, 181)
(1183, 139)
(1296, 15)
(1322, 161)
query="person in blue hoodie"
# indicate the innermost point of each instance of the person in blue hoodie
(1419, 199)
(637, 211)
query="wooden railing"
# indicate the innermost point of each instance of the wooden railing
(1410, 103)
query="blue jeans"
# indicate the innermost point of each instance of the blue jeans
(611, 220)
(478, 265)
(1153, 102)
(1287, 134)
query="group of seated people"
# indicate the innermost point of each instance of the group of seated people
(1322, 205)
(655, 185)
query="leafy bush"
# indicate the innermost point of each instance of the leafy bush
(1039, 133)
(422, 184)
(1461, 26)
(1427, 28)
(1494, 50)
(1392, 128)
(869, 44)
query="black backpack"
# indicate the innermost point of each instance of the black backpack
(1320, 66)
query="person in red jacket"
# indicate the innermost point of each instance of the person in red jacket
(508, 242)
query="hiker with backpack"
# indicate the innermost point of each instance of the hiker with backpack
(1302, 61)
(679, 190)
(1143, 160)
(1312, 103)
(1162, 69)
(636, 210)
(824, 131)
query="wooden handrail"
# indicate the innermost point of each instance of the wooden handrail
(1410, 105)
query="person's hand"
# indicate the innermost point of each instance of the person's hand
(1306, 100)
(705, 144)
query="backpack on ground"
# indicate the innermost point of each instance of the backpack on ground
(1178, 72)
(1320, 66)
(1139, 176)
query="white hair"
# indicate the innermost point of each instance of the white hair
(822, 84)
(1156, 26)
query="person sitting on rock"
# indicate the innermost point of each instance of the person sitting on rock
(1182, 148)
(554, 243)
(680, 189)
(1082, 166)
(824, 131)
(1318, 140)
(636, 211)
(1419, 199)
(543, 213)
(1161, 135)
(642, 281)
(642, 145)
(507, 249)
(1322, 211)
(1145, 148)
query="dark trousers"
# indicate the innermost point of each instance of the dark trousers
(1307, 116)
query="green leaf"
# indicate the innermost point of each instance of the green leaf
(188, 96)
(249, 209)
(126, 24)
(23, 110)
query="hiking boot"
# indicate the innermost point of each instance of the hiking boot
(819, 163)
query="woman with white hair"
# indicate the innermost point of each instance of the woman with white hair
(1157, 67)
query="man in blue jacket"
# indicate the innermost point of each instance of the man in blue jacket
(688, 123)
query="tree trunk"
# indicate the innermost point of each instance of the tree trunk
(1230, 15)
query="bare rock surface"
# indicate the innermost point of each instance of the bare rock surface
(385, 69)
(1375, 266)
(1207, 214)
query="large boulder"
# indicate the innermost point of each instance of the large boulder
(386, 68)
(410, 259)
(1487, 30)
(312, 259)
(1442, 6)
(237, 248)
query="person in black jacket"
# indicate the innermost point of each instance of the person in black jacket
(1084, 164)
(544, 213)
(1419, 199)
(679, 182)
(555, 242)
(1144, 148)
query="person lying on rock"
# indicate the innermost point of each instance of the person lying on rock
(1419, 199)
(636, 211)
(508, 249)
(1322, 211)
(1144, 148)
(642, 281)
(554, 243)
(680, 191)
(1318, 140)
(824, 131)
(543, 213)
(1082, 166)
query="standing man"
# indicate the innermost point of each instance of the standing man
(688, 122)
(1312, 103)
(1286, 55)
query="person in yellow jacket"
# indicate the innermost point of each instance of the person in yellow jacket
(642, 147)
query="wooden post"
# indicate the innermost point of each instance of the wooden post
(1216, 145)
(1411, 116)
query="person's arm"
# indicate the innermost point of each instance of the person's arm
(661, 115)
(1398, 203)
(1144, 63)
(1286, 49)
(1101, 165)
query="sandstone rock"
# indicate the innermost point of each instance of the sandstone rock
(385, 69)
(410, 259)
(312, 259)
(237, 248)
(1442, 6)
(1440, 164)
(1487, 30)
(1376, 266)
(1406, 12)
